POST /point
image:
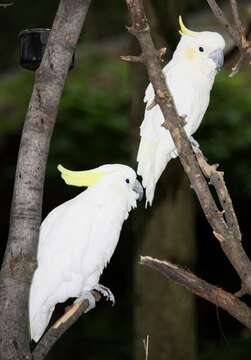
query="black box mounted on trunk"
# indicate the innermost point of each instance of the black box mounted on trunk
(32, 46)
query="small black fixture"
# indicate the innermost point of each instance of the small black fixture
(32, 46)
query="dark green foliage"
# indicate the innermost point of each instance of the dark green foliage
(93, 124)
(15, 92)
(225, 134)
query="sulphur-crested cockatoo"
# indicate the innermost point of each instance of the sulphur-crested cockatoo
(189, 75)
(78, 238)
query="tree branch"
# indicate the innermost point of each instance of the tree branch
(221, 17)
(20, 256)
(236, 32)
(197, 286)
(223, 221)
(60, 327)
(236, 68)
(216, 178)
(232, 245)
(236, 17)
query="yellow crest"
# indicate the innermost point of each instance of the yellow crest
(184, 30)
(80, 178)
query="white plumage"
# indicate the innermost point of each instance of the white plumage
(189, 76)
(78, 238)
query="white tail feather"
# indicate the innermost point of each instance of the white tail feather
(152, 159)
(39, 322)
(145, 158)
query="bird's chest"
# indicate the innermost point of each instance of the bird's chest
(191, 98)
(185, 94)
(102, 239)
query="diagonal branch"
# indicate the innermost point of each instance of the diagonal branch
(197, 286)
(236, 68)
(231, 246)
(228, 235)
(60, 327)
(216, 178)
(223, 221)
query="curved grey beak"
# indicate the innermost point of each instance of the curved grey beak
(137, 187)
(218, 57)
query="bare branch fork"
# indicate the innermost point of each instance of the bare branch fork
(222, 220)
(236, 30)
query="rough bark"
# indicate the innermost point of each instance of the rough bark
(223, 221)
(191, 282)
(20, 256)
(170, 325)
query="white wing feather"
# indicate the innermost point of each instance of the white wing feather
(156, 147)
(72, 253)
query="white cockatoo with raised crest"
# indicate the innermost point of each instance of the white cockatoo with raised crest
(78, 238)
(189, 76)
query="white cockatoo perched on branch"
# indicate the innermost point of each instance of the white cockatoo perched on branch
(78, 238)
(189, 76)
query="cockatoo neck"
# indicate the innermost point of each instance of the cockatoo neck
(197, 73)
(113, 196)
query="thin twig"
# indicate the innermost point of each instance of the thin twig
(236, 68)
(146, 346)
(133, 59)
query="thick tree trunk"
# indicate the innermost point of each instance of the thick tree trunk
(20, 256)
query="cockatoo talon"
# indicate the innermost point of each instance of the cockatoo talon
(106, 292)
(87, 295)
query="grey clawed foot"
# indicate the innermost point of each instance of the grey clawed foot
(106, 292)
(87, 295)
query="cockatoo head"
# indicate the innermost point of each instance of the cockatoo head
(120, 178)
(202, 50)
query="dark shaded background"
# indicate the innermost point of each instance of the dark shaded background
(98, 123)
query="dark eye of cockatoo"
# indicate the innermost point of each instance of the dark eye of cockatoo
(201, 49)
(127, 181)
